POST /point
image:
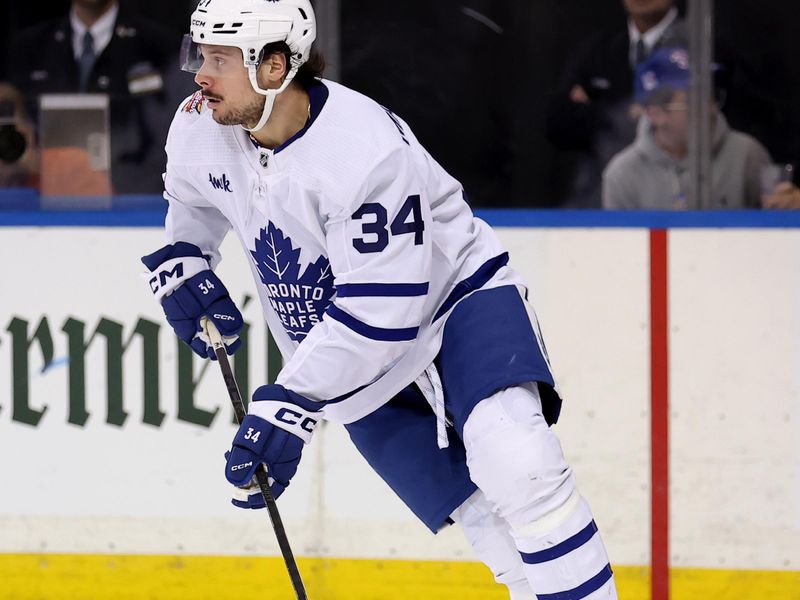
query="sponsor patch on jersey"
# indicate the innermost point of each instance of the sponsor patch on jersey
(194, 104)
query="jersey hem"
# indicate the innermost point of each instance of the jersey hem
(492, 388)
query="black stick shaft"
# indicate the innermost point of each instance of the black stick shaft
(261, 472)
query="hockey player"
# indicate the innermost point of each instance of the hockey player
(394, 308)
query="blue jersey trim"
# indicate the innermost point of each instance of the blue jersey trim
(368, 331)
(559, 550)
(474, 282)
(583, 590)
(382, 290)
(347, 395)
(317, 95)
(278, 392)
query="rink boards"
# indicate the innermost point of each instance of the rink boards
(112, 475)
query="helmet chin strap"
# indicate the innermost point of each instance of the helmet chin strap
(269, 102)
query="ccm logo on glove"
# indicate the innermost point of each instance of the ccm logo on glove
(161, 280)
(291, 417)
(173, 272)
(181, 279)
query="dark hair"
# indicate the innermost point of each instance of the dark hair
(310, 70)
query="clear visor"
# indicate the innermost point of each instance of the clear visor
(214, 60)
(191, 56)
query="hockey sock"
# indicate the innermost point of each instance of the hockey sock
(564, 557)
(490, 538)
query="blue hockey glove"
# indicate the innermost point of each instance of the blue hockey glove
(182, 280)
(279, 423)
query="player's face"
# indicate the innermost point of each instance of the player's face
(647, 8)
(226, 87)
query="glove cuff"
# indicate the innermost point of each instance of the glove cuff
(173, 273)
(275, 404)
(286, 416)
(171, 265)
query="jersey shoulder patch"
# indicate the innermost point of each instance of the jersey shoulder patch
(194, 104)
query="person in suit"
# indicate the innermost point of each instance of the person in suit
(590, 113)
(99, 48)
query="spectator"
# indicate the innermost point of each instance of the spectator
(173, 14)
(590, 114)
(19, 158)
(760, 74)
(786, 195)
(653, 172)
(98, 48)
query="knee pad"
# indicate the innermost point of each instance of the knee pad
(515, 458)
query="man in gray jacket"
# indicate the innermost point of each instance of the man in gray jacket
(653, 172)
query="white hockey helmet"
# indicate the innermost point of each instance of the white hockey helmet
(250, 25)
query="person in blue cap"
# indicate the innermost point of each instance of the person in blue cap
(653, 172)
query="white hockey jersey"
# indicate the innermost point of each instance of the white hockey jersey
(356, 237)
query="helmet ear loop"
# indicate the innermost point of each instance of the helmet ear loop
(269, 103)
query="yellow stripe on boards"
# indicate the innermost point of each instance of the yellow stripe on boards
(713, 584)
(124, 577)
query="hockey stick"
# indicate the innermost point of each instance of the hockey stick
(261, 474)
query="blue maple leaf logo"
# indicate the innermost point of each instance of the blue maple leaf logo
(299, 300)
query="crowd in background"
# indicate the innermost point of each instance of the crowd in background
(569, 103)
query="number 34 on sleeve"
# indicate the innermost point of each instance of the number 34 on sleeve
(400, 225)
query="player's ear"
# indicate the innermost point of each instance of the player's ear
(273, 69)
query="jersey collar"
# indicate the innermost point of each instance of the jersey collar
(318, 95)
